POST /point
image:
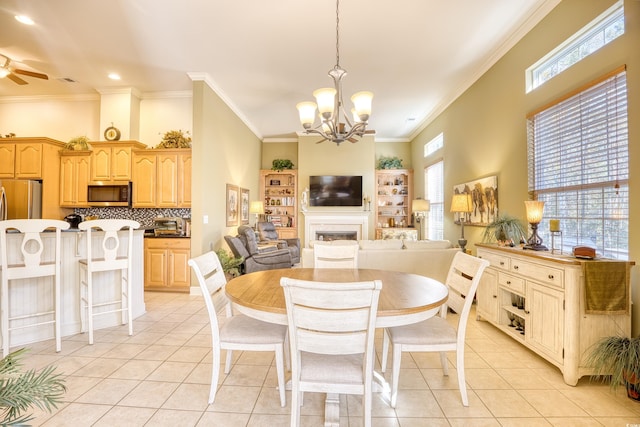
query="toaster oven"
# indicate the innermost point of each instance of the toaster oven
(168, 226)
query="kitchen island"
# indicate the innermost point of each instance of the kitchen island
(31, 295)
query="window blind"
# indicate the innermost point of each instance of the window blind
(578, 164)
(434, 185)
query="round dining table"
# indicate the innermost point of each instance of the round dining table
(405, 298)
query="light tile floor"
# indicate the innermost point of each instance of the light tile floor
(160, 377)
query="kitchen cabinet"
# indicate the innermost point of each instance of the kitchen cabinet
(165, 264)
(111, 161)
(538, 299)
(394, 193)
(162, 178)
(74, 178)
(35, 158)
(278, 191)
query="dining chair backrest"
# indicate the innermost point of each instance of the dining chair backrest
(211, 278)
(463, 279)
(336, 254)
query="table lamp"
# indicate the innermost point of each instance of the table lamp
(535, 209)
(420, 207)
(461, 204)
(257, 208)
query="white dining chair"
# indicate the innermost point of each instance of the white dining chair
(336, 254)
(331, 331)
(29, 264)
(238, 332)
(108, 256)
(436, 334)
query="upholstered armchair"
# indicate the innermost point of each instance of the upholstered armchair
(245, 245)
(267, 232)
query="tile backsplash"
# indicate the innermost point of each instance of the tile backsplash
(143, 216)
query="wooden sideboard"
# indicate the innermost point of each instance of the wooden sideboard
(549, 296)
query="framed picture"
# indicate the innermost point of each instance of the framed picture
(244, 206)
(484, 200)
(232, 205)
(274, 182)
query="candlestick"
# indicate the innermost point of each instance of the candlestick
(554, 225)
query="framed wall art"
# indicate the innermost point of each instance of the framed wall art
(232, 205)
(484, 200)
(244, 206)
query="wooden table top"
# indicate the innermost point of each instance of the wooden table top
(405, 298)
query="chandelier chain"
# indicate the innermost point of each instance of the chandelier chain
(338, 33)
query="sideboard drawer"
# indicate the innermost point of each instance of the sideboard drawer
(496, 260)
(511, 282)
(540, 273)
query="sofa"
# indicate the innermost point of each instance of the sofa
(430, 258)
(245, 245)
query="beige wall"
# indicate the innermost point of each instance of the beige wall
(484, 129)
(402, 150)
(224, 151)
(279, 150)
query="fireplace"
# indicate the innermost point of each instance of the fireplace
(336, 235)
(335, 225)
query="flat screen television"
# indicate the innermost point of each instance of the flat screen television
(334, 190)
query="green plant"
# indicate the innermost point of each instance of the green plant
(281, 164)
(78, 143)
(618, 357)
(230, 264)
(385, 162)
(504, 228)
(20, 391)
(175, 139)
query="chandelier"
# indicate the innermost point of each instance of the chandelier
(335, 124)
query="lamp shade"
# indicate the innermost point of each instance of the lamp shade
(307, 112)
(461, 203)
(256, 207)
(420, 205)
(362, 103)
(535, 209)
(325, 98)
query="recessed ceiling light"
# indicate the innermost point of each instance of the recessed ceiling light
(114, 76)
(24, 19)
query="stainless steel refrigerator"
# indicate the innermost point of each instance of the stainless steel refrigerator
(20, 199)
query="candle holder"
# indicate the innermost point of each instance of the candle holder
(553, 244)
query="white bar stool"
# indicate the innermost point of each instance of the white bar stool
(29, 266)
(106, 258)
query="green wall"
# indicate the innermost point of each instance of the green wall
(485, 128)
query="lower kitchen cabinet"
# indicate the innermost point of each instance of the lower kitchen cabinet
(165, 264)
(538, 299)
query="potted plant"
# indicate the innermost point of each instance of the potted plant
(505, 229)
(78, 143)
(230, 264)
(385, 162)
(175, 139)
(20, 391)
(619, 358)
(281, 164)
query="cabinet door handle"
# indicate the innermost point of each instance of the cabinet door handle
(501, 262)
(550, 276)
(495, 296)
(526, 312)
(508, 282)
(515, 267)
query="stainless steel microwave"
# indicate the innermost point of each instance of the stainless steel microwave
(109, 194)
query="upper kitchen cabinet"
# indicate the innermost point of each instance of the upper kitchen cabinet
(34, 158)
(111, 161)
(74, 178)
(22, 158)
(162, 178)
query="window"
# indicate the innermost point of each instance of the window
(434, 192)
(434, 145)
(602, 30)
(579, 166)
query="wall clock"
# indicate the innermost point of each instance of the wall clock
(111, 134)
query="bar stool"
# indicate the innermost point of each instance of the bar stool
(106, 257)
(29, 264)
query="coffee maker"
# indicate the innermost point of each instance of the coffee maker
(73, 220)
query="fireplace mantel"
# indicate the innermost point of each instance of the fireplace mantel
(314, 221)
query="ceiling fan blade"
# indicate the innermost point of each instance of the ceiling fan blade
(369, 132)
(31, 74)
(16, 79)
(352, 140)
(322, 140)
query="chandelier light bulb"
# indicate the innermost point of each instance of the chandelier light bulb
(307, 111)
(326, 99)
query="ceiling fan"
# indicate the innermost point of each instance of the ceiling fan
(11, 72)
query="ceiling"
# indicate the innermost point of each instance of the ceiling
(263, 57)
